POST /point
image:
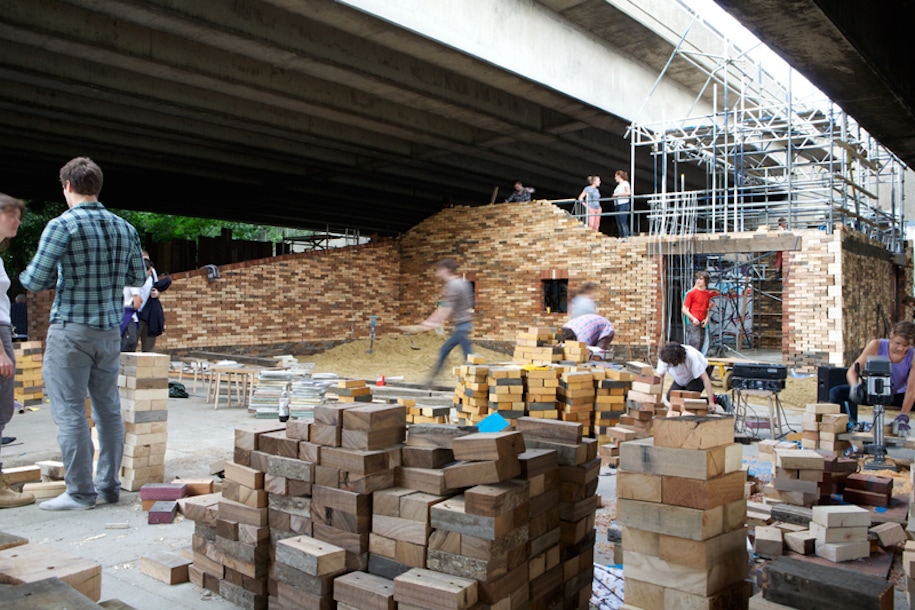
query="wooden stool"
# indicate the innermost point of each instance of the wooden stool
(776, 424)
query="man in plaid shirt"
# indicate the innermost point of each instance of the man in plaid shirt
(88, 254)
(591, 329)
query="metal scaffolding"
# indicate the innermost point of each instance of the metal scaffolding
(766, 155)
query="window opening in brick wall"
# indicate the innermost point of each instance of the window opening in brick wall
(555, 296)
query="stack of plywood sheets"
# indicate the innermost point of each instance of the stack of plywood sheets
(143, 385)
(682, 508)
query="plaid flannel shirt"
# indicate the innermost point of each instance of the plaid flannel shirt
(88, 254)
(590, 328)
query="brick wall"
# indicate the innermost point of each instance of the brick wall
(286, 301)
(811, 310)
(296, 302)
(510, 248)
(868, 283)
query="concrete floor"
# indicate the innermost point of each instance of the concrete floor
(198, 436)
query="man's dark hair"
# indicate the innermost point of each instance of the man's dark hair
(447, 263)
(704, 275)
(673, 354)
(83, 174)
(568, 334)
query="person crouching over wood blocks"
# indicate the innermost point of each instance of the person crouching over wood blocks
(689, 369)
(591, 329)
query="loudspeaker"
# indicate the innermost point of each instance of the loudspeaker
(829, 377)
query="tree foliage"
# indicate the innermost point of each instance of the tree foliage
(151, 227)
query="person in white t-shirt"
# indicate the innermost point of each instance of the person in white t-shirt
(622, 200)
(688, 367)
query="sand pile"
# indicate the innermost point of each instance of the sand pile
(392, 356)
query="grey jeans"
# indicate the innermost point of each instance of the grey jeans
(81, 360)
(7, 384)
(695, 335)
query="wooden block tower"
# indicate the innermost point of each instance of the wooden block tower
(143, 384)
(29, 382)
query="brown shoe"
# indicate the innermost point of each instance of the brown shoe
(10, 498)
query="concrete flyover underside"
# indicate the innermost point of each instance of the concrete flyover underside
(312, 113)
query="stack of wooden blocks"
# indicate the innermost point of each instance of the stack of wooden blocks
(537, 346)
(506, 392)
(836, 471)
(421, 414)
(29, 387)
(575, 351)
(354, 390)
(868, 490)
(797, 479)
(541, 392)
(579, 468)
(505, 525)
(823, 423)
(686, 402)
(841, 532)
(576, 398)
(143, 385)
(471, 396)
(682, 508)
(610, 401)
(305, 570)
(768, 447)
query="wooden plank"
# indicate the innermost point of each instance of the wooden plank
(838, 534)
(488, 446)
(408, 530)
(437, 435)
(705, 493)
(48, 594)
(642, 456)
(690, 523)
(841, 516)
(365, 591)
(801, 584)
(35, 562)
(798, 459)
(427, 457)
(8, 541)
(355, 460)
(693, 432)
(689, 579)
(314, 557)
(560, 431)
(417, 506)
(429, 480)
(243, 475)
(843, 551)
(375, 417)
(494, 499)
(435, 591)
(469, 474)
(166, 567)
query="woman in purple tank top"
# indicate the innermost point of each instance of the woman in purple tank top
(899, 349)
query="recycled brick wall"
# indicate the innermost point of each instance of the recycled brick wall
(868, 282)
(508, 249)
(812, 306)
(261, 305)
(296, 303)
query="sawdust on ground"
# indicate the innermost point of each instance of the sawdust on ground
(393, 356)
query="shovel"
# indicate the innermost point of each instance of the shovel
(372, 337)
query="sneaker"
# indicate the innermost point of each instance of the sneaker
(10, 498)
(65, 502)
(724, 401)
(106, 498)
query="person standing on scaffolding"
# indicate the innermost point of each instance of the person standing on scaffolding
(696, 307)
(520, 193)
(622, 194)
(591, 198)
